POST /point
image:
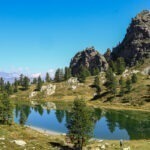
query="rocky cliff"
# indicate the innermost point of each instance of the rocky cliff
(89, 58)
(135, 46)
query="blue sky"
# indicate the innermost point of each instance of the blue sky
(39, 35)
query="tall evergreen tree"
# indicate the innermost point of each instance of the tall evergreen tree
(8, 88)
(83, 73)
(34, 81)
(112, 65)
(128, 85)
(95, 71)
(120, 65)
(97, 84)
(16, 85)
(21, 80)
(111, 82)
(6, 110)
(80, 125)
(59, 75)
(39, 83)
(26, 83)
(67, 73)
(122, 86)
(2, 84)
(134, 78)
(47, 79)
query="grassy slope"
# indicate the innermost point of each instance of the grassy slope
(38, 141)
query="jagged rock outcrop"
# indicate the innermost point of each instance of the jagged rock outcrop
(135, 47)
(89, 58)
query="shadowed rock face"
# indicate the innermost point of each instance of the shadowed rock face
(89, 58)
(136, 44)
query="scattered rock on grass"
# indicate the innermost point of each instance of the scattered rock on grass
(20, 142)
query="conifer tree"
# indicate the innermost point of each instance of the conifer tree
(25, 83)
(34, 81)
(8, 88)
(47, 79)
(122, 86)
(39, 83)
(113, 66)
(128, 85)
(95, 71)
(59, 75)
(6, 110)
(80, 125)
(16, 85)
(111, 82)
(67, 73)
(134, 78)
(120, 65)
(83, 73)
(97, 85)
(2, 85)
(21, 80)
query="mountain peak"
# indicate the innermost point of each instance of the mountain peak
(135, 46)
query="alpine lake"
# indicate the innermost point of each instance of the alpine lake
(109, 124)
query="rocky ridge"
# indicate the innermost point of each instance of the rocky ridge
(89, 58)
(135, 47)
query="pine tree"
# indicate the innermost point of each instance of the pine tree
(34, 81)
(97, 85)
(95, 71)
(21, 80)
(83, 73)
(120, 65)
(128, 85)
(25, 83)
(2, 85)
(134, 78)
(111, 82)
(6, 110)
(47, 79)
(122, 86)
(67, 73)
(39, 83)
(8, 88)
(113, 66)
(59, 75)
(80, 125)
(16, 85)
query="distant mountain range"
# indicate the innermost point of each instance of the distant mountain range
(9, 76)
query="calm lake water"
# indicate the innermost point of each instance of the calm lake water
(109, 124)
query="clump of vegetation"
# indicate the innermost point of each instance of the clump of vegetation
(134, 78)
(80, 125)
(111, 82)
(6, 110)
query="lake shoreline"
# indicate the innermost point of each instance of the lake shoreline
(45, 131)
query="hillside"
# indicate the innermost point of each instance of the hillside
(67, 91)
